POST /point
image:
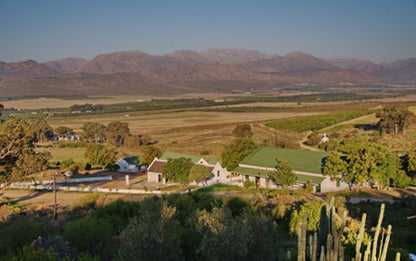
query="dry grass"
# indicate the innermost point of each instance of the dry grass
(187, 132)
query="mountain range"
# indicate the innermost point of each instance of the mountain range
(184, 71)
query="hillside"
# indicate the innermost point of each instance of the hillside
(26, 69)
(291, 63)
(67, 65)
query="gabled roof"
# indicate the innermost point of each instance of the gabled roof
(299, 160)
(133, 160)
(157, 166)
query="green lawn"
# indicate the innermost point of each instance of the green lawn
(60, 154)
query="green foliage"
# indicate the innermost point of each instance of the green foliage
(100, 155)
(224, 236)
(87, 107)
(366, 162)
(90, 234)
(242, 131)
(31, 254)
(395, 118)
(313, 139)
(149, 153)
(313, 212)
(283, 175)
(41, 129)
(116, 132)
(198, 173)
(315, 122)
(94, 132)
(249, 184)
(69, 165)
(17, 155)
(20, 231)
(153, 235)
(177, 170)
(236, 151)
(335, 166)
(64, 131)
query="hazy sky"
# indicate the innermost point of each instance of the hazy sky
(378, 30)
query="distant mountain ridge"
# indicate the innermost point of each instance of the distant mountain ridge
(187, 71)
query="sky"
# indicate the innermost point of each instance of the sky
(44, 30)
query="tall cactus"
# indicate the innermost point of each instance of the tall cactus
(329, 239)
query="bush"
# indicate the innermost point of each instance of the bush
(249, 184)
(91, 235)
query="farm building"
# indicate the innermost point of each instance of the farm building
(154, 172)
(129, 164)
(307, 165)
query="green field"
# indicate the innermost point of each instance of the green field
(60, 154)
(315, 122)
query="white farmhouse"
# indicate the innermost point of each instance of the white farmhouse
(129, 164)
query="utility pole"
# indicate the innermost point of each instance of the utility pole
(55, 214)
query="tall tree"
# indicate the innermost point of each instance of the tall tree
(283, 174)
(94, 132)
(366, 162)
(394, 118)
(17, 155)
(1, 108)
(236, 151)
(149, 153)
(116, 131)
(177, 170)
(100, 155)
(41, 129)
(64, 131)
(335, 166)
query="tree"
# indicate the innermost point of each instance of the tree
(283, 175)
(94, 132)
(64, 131)
(242, 131)
(100, 155)
(236, 151)
(17, 155)
(149, 153)
(69, 165)
(41, 129)
(152, 235)
(177, 170)
(30, 163)
(366, 162)
(132, 141)
(198, 173)
(335, 166)
(394, 118)
(1, 108)
(410, 163)
(116, 131)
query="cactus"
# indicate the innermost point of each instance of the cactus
(329, 239)
(377, 233)
(360, 238)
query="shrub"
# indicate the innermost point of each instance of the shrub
(249, 184)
